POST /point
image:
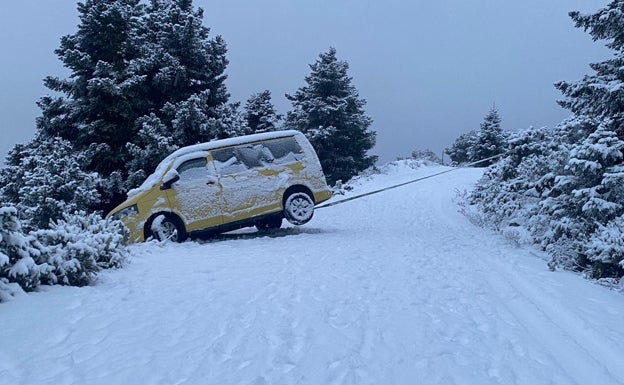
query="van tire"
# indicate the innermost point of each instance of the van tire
(298, 208)
(170, 228)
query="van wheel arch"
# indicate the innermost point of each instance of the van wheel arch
(295, 189)
(182, 234)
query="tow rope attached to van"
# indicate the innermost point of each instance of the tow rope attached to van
(404, 183)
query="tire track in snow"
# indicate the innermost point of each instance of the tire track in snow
(575, 346)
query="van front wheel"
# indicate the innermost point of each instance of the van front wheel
(166, 228)
(298, 208)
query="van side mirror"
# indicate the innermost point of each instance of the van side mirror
(170, 178)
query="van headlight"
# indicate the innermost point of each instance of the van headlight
(130, 210)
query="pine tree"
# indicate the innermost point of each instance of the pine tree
(96, 107)
(330, 113)
(136, 69)
(183, 85)
(586, 195)
(590, 185)
(179, 64)
(606, 248)
(486, 142)
(179, 57)
(152, 144)
(260, 115)
(229, 122)
(461, 150)
(600, 95)
(566, 185)
(490, 140)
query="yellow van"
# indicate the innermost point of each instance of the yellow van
(223, 185)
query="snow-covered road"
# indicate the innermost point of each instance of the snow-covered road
(394, 288)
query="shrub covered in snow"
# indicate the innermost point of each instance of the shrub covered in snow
(18, 253)
(44, 179)
(569, 205)
(426, 155)
(77, 246)
(70, 252)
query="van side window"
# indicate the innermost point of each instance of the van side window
(227, 162)
(274, 152)
(284, 150)
(193, 168)
(254, 155)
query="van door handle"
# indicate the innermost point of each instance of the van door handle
(211, 182)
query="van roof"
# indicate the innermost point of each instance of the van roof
(231, 142)
(157, 175)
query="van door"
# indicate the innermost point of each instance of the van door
(197, 197)
(247, 191)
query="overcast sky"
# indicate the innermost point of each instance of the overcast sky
(430, 70)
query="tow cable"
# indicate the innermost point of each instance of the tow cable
(405, 183)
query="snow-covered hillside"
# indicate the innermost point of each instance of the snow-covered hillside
(394, 288)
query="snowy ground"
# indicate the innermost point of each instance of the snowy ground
(394, 288)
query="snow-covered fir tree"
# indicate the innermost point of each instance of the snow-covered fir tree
(178, 58)
(152, 144)
(580, 202)
(260, 114)
(490, 140)
(461, 150)
(183, 79)
(156, 64)
(486, 142)
(183, 69)
(329, 111)
(96, 106)
(605, 248)
(228, 123)
(593, 174)
(509, 192)
(565, 185)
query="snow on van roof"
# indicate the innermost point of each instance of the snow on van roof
(153, 179)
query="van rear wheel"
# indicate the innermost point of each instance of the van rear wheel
(299, 208)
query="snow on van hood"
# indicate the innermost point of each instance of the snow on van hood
(193, 151)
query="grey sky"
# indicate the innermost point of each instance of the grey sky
(429, 70)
